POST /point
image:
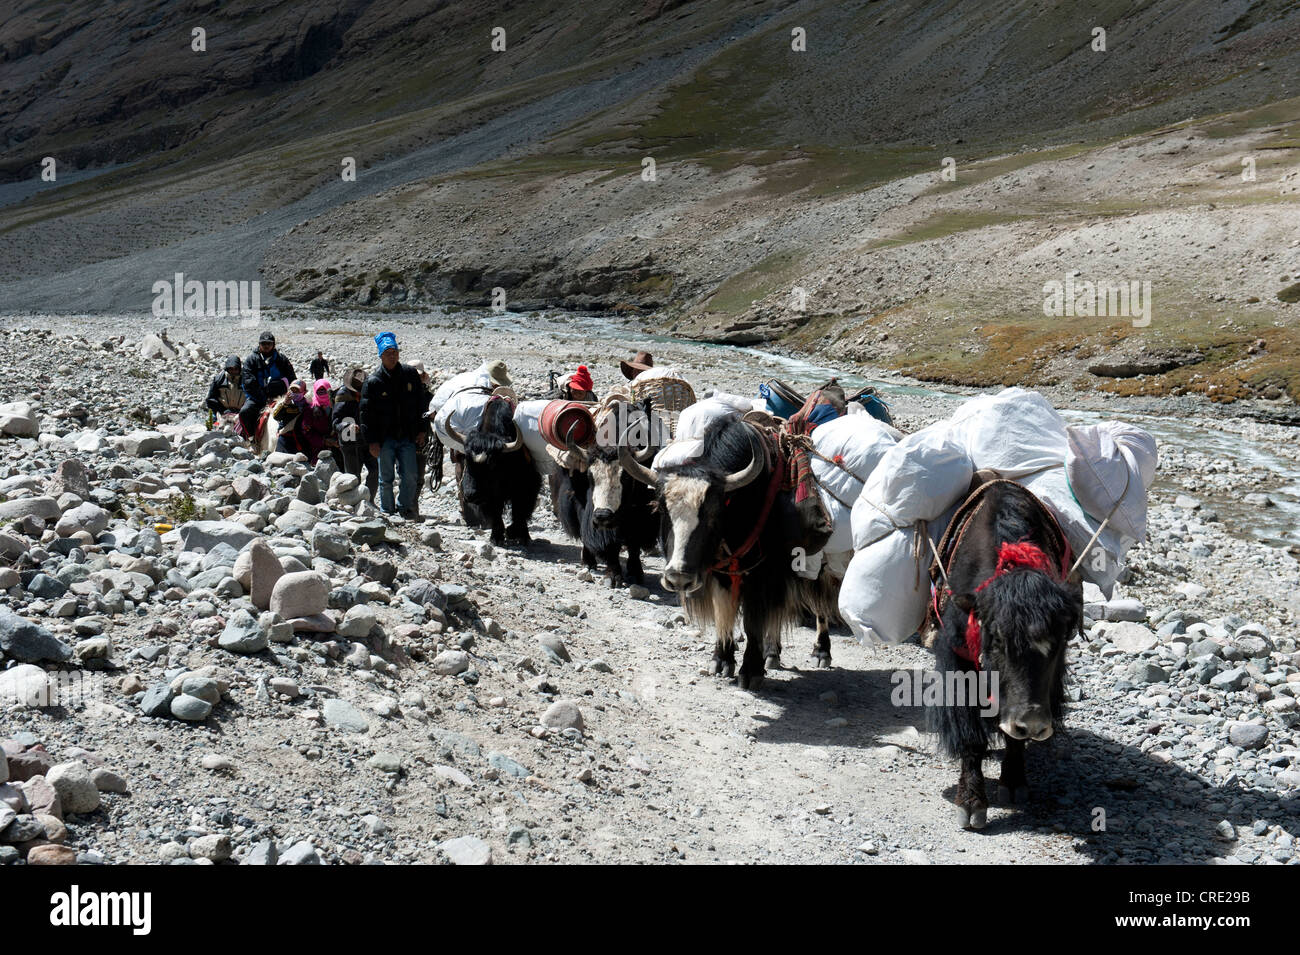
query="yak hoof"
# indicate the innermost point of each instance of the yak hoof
(967, 819)
(723, 667)
(751, 682)
(823, 661)
(773, 661)
(1018, 796)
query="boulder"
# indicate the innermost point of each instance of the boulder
(141, 444)
(243, 634)
(153, 347)
(29, 642)
(265, 573)
(24, 685)
(76, 788)
(204, 535)
(300, 595)
(87, 517)
(44, 507)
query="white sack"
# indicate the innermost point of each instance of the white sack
(860, 442)
(1014, 432)
(1102, 565)
(696, 418)
(464, 410)
(1112, 463)
(478, 379)
(916, 480)
(679, 452)
(881, 597)
(528, 419)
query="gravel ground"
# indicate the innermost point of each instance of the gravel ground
(498, 703)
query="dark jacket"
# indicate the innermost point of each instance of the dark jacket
(320, 367)
(215, 401)
(347, 404)
(261, 371)
(393, 405)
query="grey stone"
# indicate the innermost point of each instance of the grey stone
(358, 621)
(28, 642)
(264, 853)
(372, 568)
(190, 708)
(243, 634)
(504, 764)
(451, 662)
(1247, 735)
(77, 791)
(563, 715)
(300, 595)
(141, 444)
(204, 535)
(214, 847)
(157, 700)
(301, 853)
(46, 508)
(203, 687)
(329, 541)
(344, 716)
(1234, 679)
(467, 850)
(1131, 637)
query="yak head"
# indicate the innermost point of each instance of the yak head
(486, 449)
(692, 499)
(1025, 619)
(611, 485)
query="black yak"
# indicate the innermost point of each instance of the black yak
(495, 470)
(1009, 608)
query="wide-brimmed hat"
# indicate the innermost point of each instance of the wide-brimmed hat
(496, 370)
(642, 361)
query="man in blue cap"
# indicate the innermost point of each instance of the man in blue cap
(393, 403)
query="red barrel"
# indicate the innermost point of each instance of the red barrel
(559, 416)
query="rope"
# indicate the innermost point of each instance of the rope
(1128, 478)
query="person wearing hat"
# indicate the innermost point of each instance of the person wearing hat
(320, 367)
(393, 402)
(496, 370)
(642, 361)
(266, 375)
(347, 427)
(577, 386)
(225, 396)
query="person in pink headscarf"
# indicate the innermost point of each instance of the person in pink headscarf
(312, 426)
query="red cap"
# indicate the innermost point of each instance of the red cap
(580, 380)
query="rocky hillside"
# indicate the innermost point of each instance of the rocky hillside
(797, 195)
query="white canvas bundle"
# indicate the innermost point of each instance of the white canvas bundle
(859, 442)
(695, 419)
(1014, 432)
(464, 410)
(477, 379)
(1110, 467)
(883, 597)
(916, 480)
(528, 419)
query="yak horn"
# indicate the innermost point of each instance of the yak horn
(517, 443)
(747, 475)
(452, 432)
(644, 474)
(568, 440)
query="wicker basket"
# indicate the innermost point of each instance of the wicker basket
(668, 396)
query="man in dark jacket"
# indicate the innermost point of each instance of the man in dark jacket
(225, 394)
(266, 372)
(393, 402)
(320, 368)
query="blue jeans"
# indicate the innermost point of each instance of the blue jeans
(403, 454)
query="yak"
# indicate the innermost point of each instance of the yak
(603, 506)
(1009, 605)
(731, 535)
(494, 471)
